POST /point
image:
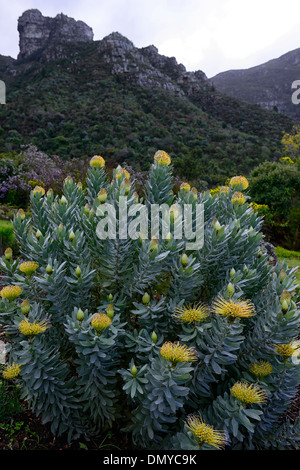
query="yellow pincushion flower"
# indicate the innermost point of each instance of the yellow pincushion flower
(233, 308)
(162, 158)
(238, 197)
(204, 433)
(190, 314)
(100, 321)
(248, 393)
(11, 371)
(185, 186)
(38, 190)
(97, 161)
(175, 352)
(31, 329)
(261, 369)
(10, 292)
(288, 350)
(28, 267)
(239, 180)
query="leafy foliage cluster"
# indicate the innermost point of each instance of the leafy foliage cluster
(126, 330)
(277, 184)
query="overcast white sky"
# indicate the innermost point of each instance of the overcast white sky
(208, 35)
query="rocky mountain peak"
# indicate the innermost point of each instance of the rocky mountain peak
(37, 31)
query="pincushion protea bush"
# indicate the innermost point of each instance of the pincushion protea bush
(182, 349)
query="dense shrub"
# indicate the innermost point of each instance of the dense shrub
(277, 185)
(181, 349)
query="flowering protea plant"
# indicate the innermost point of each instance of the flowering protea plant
(112, 324)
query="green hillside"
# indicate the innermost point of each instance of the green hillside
(74, 106)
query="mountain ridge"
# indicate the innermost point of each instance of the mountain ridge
(268, 84)
(77, 98)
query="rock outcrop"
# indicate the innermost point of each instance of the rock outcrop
(37, 32)
(45, 38)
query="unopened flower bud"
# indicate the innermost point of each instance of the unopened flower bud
(154, 337)
(63, 200)
(230, 289)
(38, 234)
(154, 244)
(284, 306)
(245, 270)
(102, 195)
(217, 226)
(110, 311)
(8, 254)
(282, 275)
(232, 272)
(80, 315)
(169, 237)
(21, 213)
(49, 269)
(184, 260)
(25, 307)
(134, 370)
(78, 271)
(110, 297)
(195, 193)
(71, 236)
(146, 298)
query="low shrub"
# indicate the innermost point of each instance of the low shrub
(181, 348)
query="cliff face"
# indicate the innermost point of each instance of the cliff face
(43, 37)
(37, 32)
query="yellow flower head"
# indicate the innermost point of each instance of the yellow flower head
(239, 180)
(288, 350)
(190, 314)
(238, 197)
(11, 371)
(10, 292)
(28, 267)
(204, 433)
(185, 186)
(162, 158)
(248, 393)
(261, 369)
(38, 190)
(31, 329)
(122, 171)
(233, 308)
(97, 161)
(175, 352)
(100, 321)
